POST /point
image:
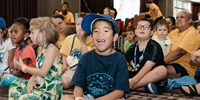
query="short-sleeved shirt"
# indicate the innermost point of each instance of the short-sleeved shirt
(153, 52)
(152, 11)
(127, 44)
(5, 46)
(189, 40)
(68, 17)
(164, 43)
(27, 52)
(60, 41)
(66, 48)
(99, 75)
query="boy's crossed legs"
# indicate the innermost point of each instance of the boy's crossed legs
(157, 74)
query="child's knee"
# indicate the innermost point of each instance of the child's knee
(67, 97)
(162, 71)
(66, 82)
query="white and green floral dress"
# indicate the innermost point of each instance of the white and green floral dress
(50, 87)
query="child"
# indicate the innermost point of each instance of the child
(198, 28)
(162, 29)
(19, 34)
(106, 11)
(131, 38)
(148, 61)
(46, 82)
(7, 49)
(101, 73)
(74, 47)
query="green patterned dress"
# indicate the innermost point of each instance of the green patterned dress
(50, 86)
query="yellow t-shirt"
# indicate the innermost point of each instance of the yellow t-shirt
(152, 11)
(60, 41)
(164, 43)
(66, 48)
(189, 40)
(69, 18)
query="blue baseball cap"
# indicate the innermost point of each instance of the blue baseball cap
(88, 20)
(2, 23)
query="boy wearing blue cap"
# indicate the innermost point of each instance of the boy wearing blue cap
(101, 73)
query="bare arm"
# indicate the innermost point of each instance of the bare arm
(195, 57)
(19, 73)
(50, 56)
(176, 54)
(64, 60)
(78, 91)
(146, 13)
(167, 50)
(82, 37)
(116, 94)
(11, 54)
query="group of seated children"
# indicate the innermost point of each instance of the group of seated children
(89, 60)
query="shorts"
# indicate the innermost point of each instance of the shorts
(69, 73)
(7, 79)
(179, 69)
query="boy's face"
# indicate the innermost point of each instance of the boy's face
(130, 35)
(143, 30)
(102, 36)
(162, 31)
(198, 29)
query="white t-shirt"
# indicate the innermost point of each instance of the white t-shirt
(4, 48)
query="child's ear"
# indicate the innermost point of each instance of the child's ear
(115, 37)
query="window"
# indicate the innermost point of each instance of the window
(126, 8)
(180, 5)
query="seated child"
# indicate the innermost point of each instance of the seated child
(7, 49)
(101, 73)
(46, 82)
(147, 59)
(162, 29)
(19, 34)
(198, 28)
(131, 38)
(74, 47)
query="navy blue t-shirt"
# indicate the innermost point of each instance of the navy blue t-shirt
(99, 75)
(152, 53)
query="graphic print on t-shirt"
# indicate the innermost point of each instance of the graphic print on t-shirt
(1, 53)
(100, 84)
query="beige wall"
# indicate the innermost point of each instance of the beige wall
(46, 7)
(166, 7)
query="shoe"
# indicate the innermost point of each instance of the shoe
(151, 88)
(193, 90)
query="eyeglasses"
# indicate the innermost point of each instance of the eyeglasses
(146, 27)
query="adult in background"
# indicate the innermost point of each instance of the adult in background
(154, 11)
(185, 41)
(69, 18)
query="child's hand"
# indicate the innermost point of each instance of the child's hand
(18, 64)
(132, 82)
(81, 36)
(193, 57)
(30, 86)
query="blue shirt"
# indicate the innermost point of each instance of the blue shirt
(99, 75)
